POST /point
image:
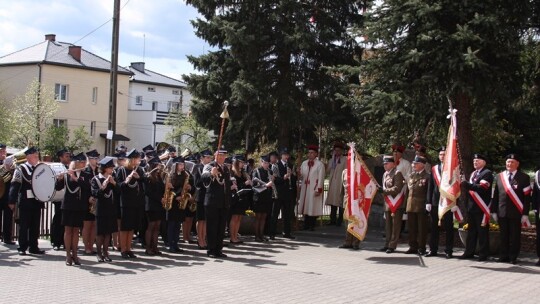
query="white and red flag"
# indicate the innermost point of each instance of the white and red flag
(450, 187)
(361, 189)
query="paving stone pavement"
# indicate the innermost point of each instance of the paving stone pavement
(309, 269)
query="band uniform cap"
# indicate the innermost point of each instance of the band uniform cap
(222, 151)
(284, 151)
(92, 154)
(273, 153)
(61, 152)
(441, 149)
(120, 155)
(388, 159)
(206, 152)
(171, 149)
(154, 160)
(239, 157)
(339, 144)
(313, 148)
(479, 156)
(31, 150)
(398, 148)
(151, 154)
(178, 160)
(513, 156)
(79, 157)
(133, 153)
(419, 159)
(148, 148)
(193, 157)
(228, 160)
(106, 162)
(265, 158)
(3, 146)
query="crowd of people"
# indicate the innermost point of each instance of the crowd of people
(201, 196)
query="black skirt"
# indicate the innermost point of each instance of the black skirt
(89, 217)
(73, 218)
(263, 204)
(153, 216)
(239, 206)
(201, 215)
(106, 225)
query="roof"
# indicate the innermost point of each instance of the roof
(152, 77)
(55, 52)
(116, 136)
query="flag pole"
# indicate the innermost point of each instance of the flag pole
(453, 119)
(224, 115)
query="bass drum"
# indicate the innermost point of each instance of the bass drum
(44, 181)
(59, 169)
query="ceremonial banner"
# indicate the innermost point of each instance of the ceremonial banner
(361, 188)
(450, 187)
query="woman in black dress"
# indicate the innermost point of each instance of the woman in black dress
(89, 224)
(73, 208)
(241, 200)
(130, 179)
(155, 189)
(120, 162)
(262, 199)
(103, 190)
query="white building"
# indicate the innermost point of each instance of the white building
(152, 97)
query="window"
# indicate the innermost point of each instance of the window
(154, 105)
(92, 128)
(61, 92)
(138, 100)
(174, 106)
(151, 89)
(176, 92)
(60, 122)
(94, 95)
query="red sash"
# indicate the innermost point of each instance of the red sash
(394, 202)
(514, 197)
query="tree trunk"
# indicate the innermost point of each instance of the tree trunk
(462, 103)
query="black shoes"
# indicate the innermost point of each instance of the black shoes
(9, 242)
(504, 260)
(345, 246)
(384, 249)
(289, 236)
(431, 254)
(410, 251)
(390, 250)
(36, 251)
(482, 258)
(216, 255)
(466, 257)
(537, 263)
(449, 255)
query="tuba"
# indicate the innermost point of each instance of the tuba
(6, 170)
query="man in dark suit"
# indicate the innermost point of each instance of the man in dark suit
(5, 210)
(205, 158)
(217, 181)
(29, 206)
(284, 181)
(432, 207)
(478, 196)
(510, 207)
(536, 207)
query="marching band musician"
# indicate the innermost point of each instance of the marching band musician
(262, 201)
(155, 189)
(175, 215)
(103, 190)
(73, 207)
(187, 223)
(216, 178)
(121, 161)
(29, 207)
(206, 158)
(57, 230)
(130, 179)
(89, 225)
(7, 213)
(240, 201)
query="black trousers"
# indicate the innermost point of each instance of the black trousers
(477, 235)
(7, 222)
(285, 207)
(510, 237)
(537, 235)
(215, 228)
(448, 225)
(57, 230)
(29, 222)
(336, 217)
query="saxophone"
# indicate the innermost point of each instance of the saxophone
(169, 195)
(186, 196)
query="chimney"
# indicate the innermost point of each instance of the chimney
(75, 52)
(139, 66)
(50, 37)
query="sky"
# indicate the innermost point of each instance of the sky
(157, 32)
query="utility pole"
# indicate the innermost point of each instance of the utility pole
(109, 146)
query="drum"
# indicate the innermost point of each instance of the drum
(44, 181)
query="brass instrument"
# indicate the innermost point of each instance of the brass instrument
(275, 173)
(163, 146)
(169, 195)
(186, 196)
(6, 170)
(186, 153)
